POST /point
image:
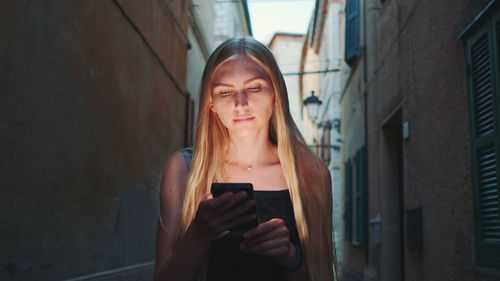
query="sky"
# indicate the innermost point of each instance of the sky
(270, 16)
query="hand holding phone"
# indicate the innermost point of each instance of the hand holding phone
(218, 189)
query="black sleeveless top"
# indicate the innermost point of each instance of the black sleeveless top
(227, 262)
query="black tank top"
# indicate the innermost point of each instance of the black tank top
(227, 262)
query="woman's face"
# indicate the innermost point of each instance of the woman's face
(242, 96)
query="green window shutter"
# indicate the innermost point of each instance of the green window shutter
(351, 30)
(483, 81)
(361, 196)
(348, 200)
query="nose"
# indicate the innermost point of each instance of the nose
(240, 100)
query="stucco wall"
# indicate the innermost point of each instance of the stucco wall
(286, 50)
(88, 115)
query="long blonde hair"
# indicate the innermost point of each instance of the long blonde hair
(307, 185)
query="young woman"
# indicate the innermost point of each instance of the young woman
(245, 133)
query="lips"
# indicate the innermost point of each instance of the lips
(243, 119)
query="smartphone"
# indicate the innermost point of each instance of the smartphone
(219, 188)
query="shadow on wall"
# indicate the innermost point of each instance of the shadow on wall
(134, 234)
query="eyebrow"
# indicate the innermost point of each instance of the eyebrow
(216, 84)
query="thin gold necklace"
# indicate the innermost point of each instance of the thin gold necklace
(249, 167)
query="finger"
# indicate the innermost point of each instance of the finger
(270, 236)
(267, 226)
(280, 230)
(222, 226)
(268, 245)
(238, 211)
(241, 219)
(274, 252)
(224, 219)
(278, 233)
(237, 198)
(219, 200)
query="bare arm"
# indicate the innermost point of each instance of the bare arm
(182, 259)
(171, 260)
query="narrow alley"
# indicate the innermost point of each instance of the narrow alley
(398, 98)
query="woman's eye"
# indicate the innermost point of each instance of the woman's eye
(225, 92)
(254, 89)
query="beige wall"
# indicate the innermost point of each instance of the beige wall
(310, 82)
(201, 37)
(230, 21)
(286, 50)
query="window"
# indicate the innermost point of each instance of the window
(483, 82)
(355, 211)
(351, 30)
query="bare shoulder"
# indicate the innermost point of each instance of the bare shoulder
(175, 171)
(172, 189)
(176, 163)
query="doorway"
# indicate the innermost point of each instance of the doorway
(391, 165)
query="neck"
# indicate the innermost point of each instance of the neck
(250, 151)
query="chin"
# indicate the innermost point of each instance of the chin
(243, 132)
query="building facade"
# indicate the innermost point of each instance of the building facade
(210, 24)
(202, 43)
(232, 19)
(420, 146)
(286, 49)
(320, 75)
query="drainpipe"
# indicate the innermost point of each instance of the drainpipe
(365, 89)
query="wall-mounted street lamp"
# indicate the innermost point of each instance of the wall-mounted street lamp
(312, 104)
(322, 148)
